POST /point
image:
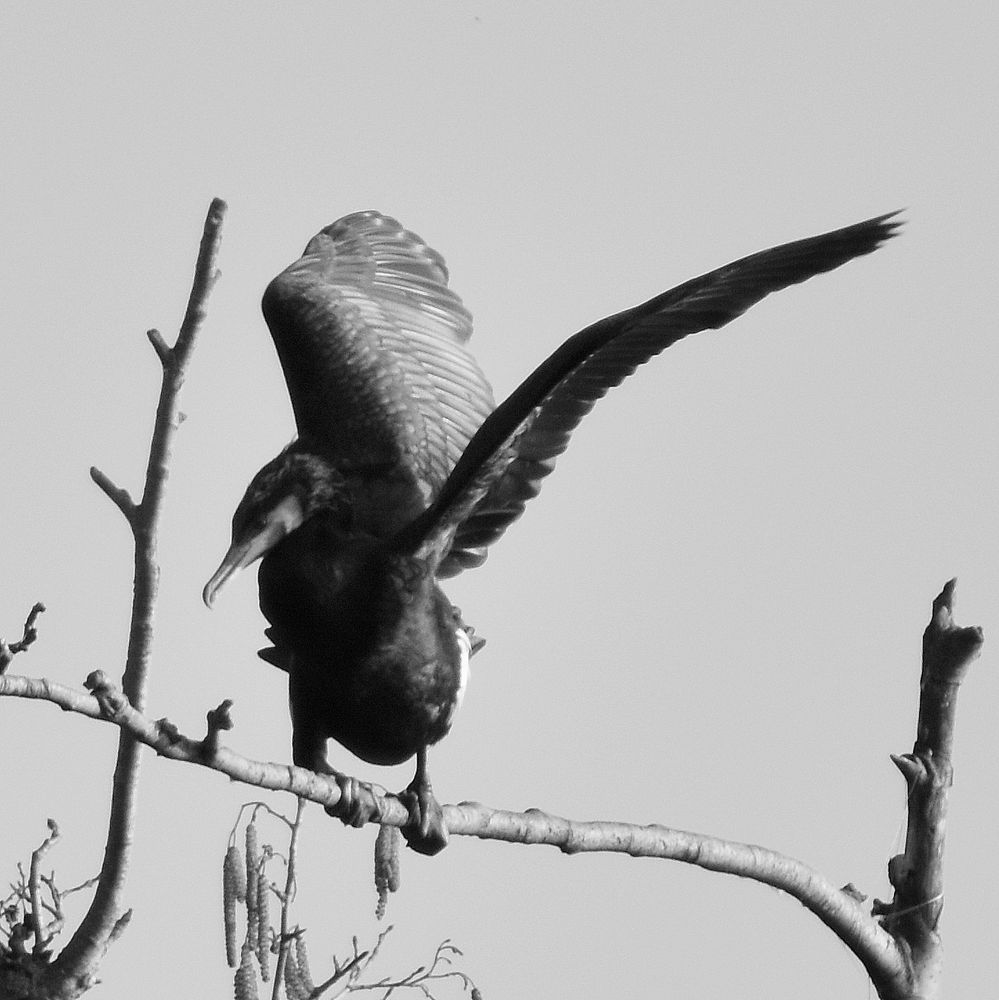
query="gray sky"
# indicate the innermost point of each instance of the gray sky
(711, 617)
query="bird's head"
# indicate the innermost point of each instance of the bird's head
(283, 495)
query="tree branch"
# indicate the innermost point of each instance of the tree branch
(35, 887)
(121, 498)
(75, 969)
(9, 650)
(285, 936)
(917, 874)
(840, 911)
(898, 944)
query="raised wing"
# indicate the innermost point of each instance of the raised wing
(372, 343)
(516, 447)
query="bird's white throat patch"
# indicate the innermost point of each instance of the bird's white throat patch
(286, 516)
(465, 648)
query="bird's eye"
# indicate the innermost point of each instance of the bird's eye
(247, 523)
(257, 523)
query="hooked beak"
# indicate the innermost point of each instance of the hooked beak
(243, 552)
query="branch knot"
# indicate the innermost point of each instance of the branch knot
(112, 701)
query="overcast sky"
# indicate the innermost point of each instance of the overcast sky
(710, 618)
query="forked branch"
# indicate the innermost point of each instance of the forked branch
(917, 874)
(897, 943)
(75, 969)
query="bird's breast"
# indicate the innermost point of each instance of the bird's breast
(383, 707)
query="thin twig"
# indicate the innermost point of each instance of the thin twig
(418, 978)
(34, 887)
(160, 346)
(9, 650)
(219, 721)
(87, 884)
(285, 938)
(121, 498)
(341, 973)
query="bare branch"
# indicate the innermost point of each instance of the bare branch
(120, 926)
(25, 914)
(219, 720)
(285, 937)
(87, 884)
(9, 650)
(121, 498)
(917, 874)
(418, 978)
(874, 946)
(206, 273)
(341, 972)
(75, 969)
(160, 346)
(42, 689)
(34, 887)
(175, 368)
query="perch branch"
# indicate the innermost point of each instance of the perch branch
(839, 910)
(898, 945)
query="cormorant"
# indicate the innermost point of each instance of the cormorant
(403, 473)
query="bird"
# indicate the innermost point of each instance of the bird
(404, 471)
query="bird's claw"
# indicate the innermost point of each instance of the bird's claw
(358, 804)
(425, 833)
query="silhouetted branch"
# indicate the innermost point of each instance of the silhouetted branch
(121, 498)
(32, 911)
(9, 650)
(836, 908)
(75, 969)
(245, 881)
(42, 689)
(219, 721)
(160, 346)
(42, 937)
(897, 944)
(917, 874)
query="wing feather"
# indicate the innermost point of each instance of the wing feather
(372, 343)
(516, 447)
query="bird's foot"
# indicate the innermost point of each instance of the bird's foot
(358, 803)
(425, 833)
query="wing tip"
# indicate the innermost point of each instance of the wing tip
(877, 231)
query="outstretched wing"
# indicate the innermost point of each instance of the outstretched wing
(372, 343)
(516, 447)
